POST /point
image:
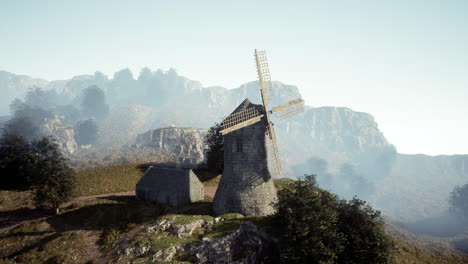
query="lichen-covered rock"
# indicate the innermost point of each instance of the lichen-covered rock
(137, 251)
(186, 144)
(181, 230)
(62, 134)
(246, 245)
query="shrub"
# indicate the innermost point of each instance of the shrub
(321, 228)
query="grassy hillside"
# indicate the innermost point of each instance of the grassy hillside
(93, 231)
(113, 179)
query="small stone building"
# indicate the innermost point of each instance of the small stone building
(172, 186)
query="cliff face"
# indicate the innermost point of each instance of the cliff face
(64, 135)
(14, 86)
(186, 144)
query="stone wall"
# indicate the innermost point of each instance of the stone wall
(170, 186)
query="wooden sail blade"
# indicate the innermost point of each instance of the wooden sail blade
(273, 150)
(241, 125)
(240, 119)
(263, 76)
(285, 106)
(287, 110)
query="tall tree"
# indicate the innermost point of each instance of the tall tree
(56, 179)
(94, 104)
(16, 162)
(86, 132)
(459, 201)
(215, 148)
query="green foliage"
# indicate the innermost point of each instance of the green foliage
(16, 162)
(459, 201)
(321, 228)
(366, 240)
(215, 153)
(55, 178)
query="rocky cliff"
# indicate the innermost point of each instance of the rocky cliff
(62, 134)
(186, 144)
(13, 86)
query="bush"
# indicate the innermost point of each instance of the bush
(321, 228)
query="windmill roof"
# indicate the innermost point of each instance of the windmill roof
(247, 104)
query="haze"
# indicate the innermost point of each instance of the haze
(403, 62)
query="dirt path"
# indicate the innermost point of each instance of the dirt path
(94, 197)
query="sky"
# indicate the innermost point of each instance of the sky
(404, 62)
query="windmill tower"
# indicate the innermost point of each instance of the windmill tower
(251, 153)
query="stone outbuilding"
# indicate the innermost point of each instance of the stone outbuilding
(172, 186)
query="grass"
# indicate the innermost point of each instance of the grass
(102, 224)
(280, 184)
(186, 219)
(14, 200)
(119, 178)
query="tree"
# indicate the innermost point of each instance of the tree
(215, 148)
(86, 132)
(40, 98)
(320, 228)
(309, 216)
(363, 227)
(94, 103)
(56, 180)
(16, 162)
(459, 201)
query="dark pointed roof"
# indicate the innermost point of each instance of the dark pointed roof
(247, 104)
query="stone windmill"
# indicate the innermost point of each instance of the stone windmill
(251, 152)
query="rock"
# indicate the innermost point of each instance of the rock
(181, 230)
(136, 251)
(64, 135)
(187, 229)
(249, 238)
(165, 255)
(186, 144)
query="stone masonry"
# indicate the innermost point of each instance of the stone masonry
(171, 186)
(246, 186)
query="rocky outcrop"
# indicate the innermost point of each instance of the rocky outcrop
(186, 144)
(62, 134)
(249, 244)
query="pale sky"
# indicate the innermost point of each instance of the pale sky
(404, 62)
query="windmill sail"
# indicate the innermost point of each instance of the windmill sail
(263, 76)
(240, 119)
(284, 111)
